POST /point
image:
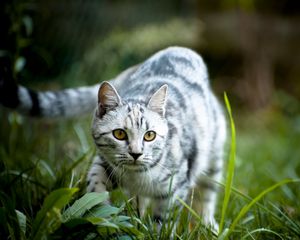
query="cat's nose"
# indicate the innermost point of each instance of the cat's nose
(135, 155)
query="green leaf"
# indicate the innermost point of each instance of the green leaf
(96, 220)
(85, 203)
(50, 212)
(103, 211)
(22, 221)
(75, 228)
(74, 222)
(124, 238)
(123, 221)
(121, 218)
(109, 225)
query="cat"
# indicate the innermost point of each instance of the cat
(158, 128)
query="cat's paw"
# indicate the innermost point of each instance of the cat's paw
(212, 224)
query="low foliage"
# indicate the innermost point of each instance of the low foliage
(43, 167)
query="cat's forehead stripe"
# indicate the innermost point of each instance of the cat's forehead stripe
(135, 117)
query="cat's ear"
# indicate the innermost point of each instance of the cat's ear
(157, 102)
(108, 98)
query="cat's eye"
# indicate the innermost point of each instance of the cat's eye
(119, 134)
(149, 136)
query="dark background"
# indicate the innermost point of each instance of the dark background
(251, 47)
(252, 50)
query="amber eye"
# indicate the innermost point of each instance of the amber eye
(119, 134)
(149, 136)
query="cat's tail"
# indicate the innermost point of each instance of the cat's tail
(63, 103)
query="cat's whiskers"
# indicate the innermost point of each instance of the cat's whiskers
(151, 186)
(163, 167)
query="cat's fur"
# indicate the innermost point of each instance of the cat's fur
(169, 94)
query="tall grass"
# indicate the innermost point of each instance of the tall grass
(43, 168)
(231, 164)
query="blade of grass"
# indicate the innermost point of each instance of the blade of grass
(230, 169)
(22, 175)
(81, 134)
(62, 176)
(294, 226)
(246, 208)
(190, 209)
(262, 230)
(10, 218)
(84, 156)
(47, 167)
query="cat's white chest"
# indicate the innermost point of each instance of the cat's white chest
(143, 184)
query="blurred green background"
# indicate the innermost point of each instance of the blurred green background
(251, 47)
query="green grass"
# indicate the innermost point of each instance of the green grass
(43, 167)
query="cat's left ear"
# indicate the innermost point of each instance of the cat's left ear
(108, 98)
(157, 102)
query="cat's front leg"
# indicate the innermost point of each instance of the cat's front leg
(206, 198)
(167, 209)
(142, 204)
(98, 178)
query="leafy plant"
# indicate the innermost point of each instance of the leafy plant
(259, 204)
(88, 217)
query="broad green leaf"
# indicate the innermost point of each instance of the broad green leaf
(133, 231)
(74, 222)
(85, 203)
(125, 224)
(109, 225)
(96, 220)
(125, 238)
(75, 228)
(122, 218)
(122, 221)
(103, 211)
(50, 212)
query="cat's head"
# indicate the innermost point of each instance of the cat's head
(128, 134)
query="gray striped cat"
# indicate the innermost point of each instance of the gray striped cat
(158, 128)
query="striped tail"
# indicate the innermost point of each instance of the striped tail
(64, 103)
(50, 104)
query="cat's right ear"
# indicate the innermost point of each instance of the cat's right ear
(108, 98)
